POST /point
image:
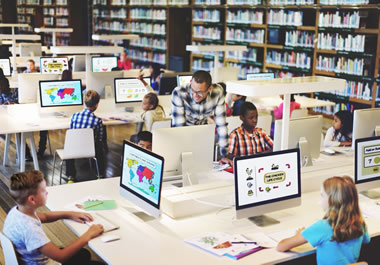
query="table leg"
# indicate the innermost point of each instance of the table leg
(33, 150)
(6, 149)
(22, 152)
(18, 147)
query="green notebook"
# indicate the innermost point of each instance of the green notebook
(99, 205)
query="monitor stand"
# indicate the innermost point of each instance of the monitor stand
(371, 194)
(377, 131)
(306, 160)
(140, 214)
(263, 220)
(189, 174)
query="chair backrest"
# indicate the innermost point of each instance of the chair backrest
(233, 122)
(79, 143)
(299, 113)
(166, 123)
(8, 250)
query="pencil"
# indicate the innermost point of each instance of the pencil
(92, 205)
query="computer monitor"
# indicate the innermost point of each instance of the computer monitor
(61, 95)
(367, 163)
(79, 63)
(141, 178)
(184, 79)
(260, 76)
(128, 90)
(226, 73)
(103, 83)
(366, 123)
(267, 182)
(103, 63)
(304, 132)
(53, 65)
(168, 81)
(30, 49)
(5, 64)
(28, 85)
(187, 150)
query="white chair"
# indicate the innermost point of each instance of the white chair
(233, 122)
(9, 252)
(79, 143)
(264, 122)
(299, 113)
(166, 123)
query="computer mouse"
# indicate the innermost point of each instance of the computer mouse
(109, 238)
(329, 151)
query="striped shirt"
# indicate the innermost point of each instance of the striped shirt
(242, 143)
(186, 111)
(87, 119)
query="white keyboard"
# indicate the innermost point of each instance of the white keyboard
(104, 221)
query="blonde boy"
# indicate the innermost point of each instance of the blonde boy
(23, 225)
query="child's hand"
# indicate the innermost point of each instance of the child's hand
(81, 217)
(298, 232)
(226, 161)
(140, 76)
(94, 231)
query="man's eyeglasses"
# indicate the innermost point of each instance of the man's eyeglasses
(198, 93)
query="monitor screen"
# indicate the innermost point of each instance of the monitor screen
(266, 178)
(367, 159)
(53, 65)
(260, 76)
(141, 175)
(61, 93)
(103, 64)
(5, 64)
(168, 82)
(130, 89)
(184, 80)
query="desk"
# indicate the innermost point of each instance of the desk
(161, 241)
(25, 119)
(115, 37)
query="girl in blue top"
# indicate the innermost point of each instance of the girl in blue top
(339, 235)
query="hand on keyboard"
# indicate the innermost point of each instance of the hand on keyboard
(102, 220)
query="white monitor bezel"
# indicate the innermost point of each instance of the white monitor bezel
(96, 57)
(147, 205)
(274, 204)
(358, 124)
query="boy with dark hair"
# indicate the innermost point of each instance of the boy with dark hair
(87, 119)
(247, 139)
(144, 140)
(23, 225)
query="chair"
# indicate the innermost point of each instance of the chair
(79, 143)
(9, 252)
(166, 123)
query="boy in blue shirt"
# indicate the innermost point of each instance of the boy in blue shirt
(23, 225)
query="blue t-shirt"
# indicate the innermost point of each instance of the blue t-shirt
(330, 252)
(27, 236)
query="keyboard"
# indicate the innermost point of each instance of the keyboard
(104, 221)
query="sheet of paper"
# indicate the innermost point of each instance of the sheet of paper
(74, 205)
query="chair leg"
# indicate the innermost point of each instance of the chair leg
(60, 173)
(48, 138)
(97, 167)
(52, 176)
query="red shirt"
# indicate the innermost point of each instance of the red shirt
(124, 65)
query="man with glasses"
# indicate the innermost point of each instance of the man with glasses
(199, 103)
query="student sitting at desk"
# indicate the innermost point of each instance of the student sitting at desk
(339, 236)
(340, 134)
(197, 102)
(144, 140)
(247, 139)
(30, 67)
(124, 63)
(23, 225)
(5, 91)
(153, 111)
(87, 119)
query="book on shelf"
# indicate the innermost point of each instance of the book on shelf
(337, 41)
(285, 17)
(339, 19)
(298, 38)
(245, 16)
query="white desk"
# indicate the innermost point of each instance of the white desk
(54, 31)
(25, 119)
(115, 37)
(161, 241)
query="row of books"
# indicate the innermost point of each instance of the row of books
(245, 16)
(356, 89)
(244, 2)
(245, 35)
(206, 15)
(298, 38)
(133, 27)
(147, 56)
(211, 54)
(291, 2)
(250, 55)
(24, 19)
(331, 110)
(61, 2)
(148, 42)
(200, 31)
(28, 2)
(25, 10)
(118, 2)
(201, 64)
(143, 13)
(207, 2)
(285, 17)
(292, 59)
(99, 2)
(339, 19)
(340, 42)
(159, 2)
(245, 69)
(110, 13)
(59, 11)
(62, 22)
(344, 2)
(340, 65)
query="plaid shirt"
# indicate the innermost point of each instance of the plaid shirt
(185, 111)
(241, 143)
(87, 119)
